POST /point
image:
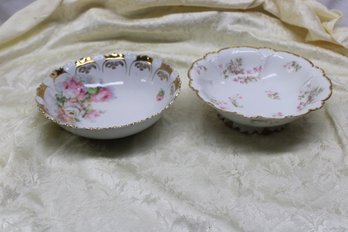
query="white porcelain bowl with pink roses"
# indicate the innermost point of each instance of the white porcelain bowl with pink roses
(108, 96)
(259, 88)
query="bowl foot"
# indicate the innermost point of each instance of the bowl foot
(250, 129)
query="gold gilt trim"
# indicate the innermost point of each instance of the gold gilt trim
(177, 83)
(166, 68)
(83, 61)
(144, 58)
(40, 91)
(56, 73)
(42, 88)
(114, 56)
(259, 117)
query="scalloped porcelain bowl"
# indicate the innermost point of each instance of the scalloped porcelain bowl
(259, 87)
(108, 96)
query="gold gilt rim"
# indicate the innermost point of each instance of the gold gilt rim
(259, 117)
(42, 88)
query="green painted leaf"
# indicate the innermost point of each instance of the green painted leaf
(92, 90)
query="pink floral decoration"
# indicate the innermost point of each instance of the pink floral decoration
(104, 94)
(75, 101)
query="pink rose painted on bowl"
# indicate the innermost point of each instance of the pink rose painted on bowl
(103, 94)
(75, 102)
(69, 112)
(93, 114)
(74, 88)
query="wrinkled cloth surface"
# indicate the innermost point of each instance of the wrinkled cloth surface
(9, 7)
(189, 172)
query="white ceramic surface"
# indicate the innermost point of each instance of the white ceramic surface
(259, 87)
(108, 96)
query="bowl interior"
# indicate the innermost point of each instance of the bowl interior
(108, 91)
(259, 82)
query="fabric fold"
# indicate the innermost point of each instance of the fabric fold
(310, 15)
(27, 19)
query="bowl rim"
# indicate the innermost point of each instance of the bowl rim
(42, 87)
(259, 117)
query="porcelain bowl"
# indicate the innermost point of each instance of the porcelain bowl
(108, 96)
(259, 87)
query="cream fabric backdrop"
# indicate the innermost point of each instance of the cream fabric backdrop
(189, 172)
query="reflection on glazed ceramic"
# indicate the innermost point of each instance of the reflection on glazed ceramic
(259, 87)
(119, 94)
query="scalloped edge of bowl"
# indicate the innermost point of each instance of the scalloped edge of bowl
(52, 119)
(259, 117)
